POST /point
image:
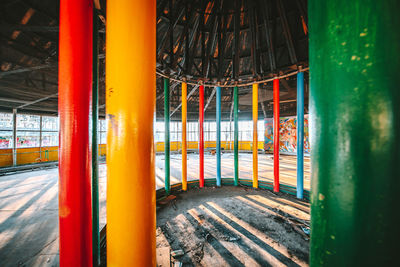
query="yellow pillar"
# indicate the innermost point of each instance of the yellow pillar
(184, 147)
(255, 139)
(130, 105)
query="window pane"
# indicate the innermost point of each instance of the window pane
(212, 136)
(225, 126)
(103, 138)
(49, 138)
(5, 139)
(213, 126)
(205, 126)
(206, 136)
(196, 126)
(49, 123)
(28, 122)
(27, 139)
(173, 137)
(102, 125)
(159, 137)
(160, 127)
(6, 122)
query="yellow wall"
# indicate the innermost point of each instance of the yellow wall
(28, 155)
(6, 158)
(102, 150)
(31, 155)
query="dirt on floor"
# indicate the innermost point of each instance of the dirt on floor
(232, 226)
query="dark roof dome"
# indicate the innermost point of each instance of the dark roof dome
(225, 40)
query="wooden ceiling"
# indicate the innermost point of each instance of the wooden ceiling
(225, 41)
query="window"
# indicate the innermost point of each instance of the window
(175, 131)
(245, 131)
(28, 130)
(210, 131)
(28, 139)
(6, 125)
(159, 131)
(50, 131)
(192, 131)
(102, 132)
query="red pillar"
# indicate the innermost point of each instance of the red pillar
(201, 135)
(276, 135)
(75, 97)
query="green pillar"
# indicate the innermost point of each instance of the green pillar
(355, 132)
(166, 141)
(95, 166)
(236, 134)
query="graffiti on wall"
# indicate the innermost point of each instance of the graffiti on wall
(287, 135)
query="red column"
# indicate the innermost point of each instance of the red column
(75, 97)
(201, 135)
(276, 135)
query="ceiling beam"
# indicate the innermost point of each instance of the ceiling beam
(17, 71)
(252, 22)
(286, 31)
(267, 27)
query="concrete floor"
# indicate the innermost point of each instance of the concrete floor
(29, 203)
(233, 226)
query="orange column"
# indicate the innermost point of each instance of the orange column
(130, 105)
(255, 137)
(184, 145)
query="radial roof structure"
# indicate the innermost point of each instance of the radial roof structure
(225, 42)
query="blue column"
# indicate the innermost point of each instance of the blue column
(166, 140)
(218, 115)
(300, 134)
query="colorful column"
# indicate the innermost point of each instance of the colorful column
(236, 134)
(355, 132)
(255, 137)
(276, 134)
(218, 145)
(74, 102)
(184, 144)
(40, 136)
(14, 136)
(130, 95)
(300, 134)
(166, 137)
(95, 145)
(201, 135)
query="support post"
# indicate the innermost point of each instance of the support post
(40, 137)
(300, 134)
(276, 134)
(130, 106)
(95, 144)
(355, 132)
(236, 134)
(166, 136)
(184, 143)
(201, 135)
(75, 99)
(255, 137)
(218, 145)
(14, 148)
